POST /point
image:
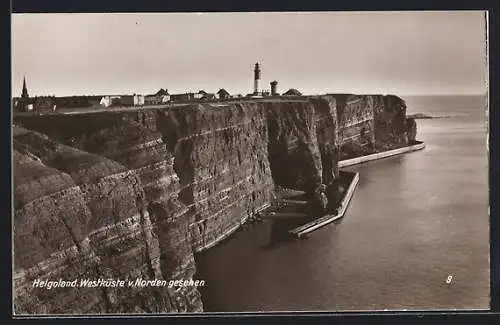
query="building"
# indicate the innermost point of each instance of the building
(163, 96)
(23, 103)
(223, 94)
(105, 101)
(162, 92)
(200, 94)
(156, 100)
(256, 78)
(109, 100)
(117, 100)
(292, 92)
(151, 100)
(77, 101)
(274, 85)
(138, 100)
(182, 97)
(44, 104)
(160, 97)
(24, 94)
(126, 100)
(208, 96)
(38, 104)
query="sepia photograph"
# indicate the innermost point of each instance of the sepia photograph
(249, 162)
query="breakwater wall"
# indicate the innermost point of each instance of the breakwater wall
(381, 155)
(136, 193)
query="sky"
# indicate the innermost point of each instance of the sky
(324, 52)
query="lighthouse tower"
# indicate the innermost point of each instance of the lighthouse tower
(256, 78)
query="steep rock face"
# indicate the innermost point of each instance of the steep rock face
(371, 123)
(49, 212)
(411, 129)
(221, 160)
(249, 142)
(390, 121)
(142, 150)
(293, 143)
(325, 108)
(110, 228)
(355, 120)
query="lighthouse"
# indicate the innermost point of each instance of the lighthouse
(256, 78)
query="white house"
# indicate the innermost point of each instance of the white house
(138, 100)
(106, 101)
(165, 98)
(200, 94)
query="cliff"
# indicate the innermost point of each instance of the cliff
(79, 216)
(371, 123)
(136, 193)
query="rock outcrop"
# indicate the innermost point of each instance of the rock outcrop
(327, 133)
(135, 194)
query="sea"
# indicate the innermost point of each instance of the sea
(415, 236)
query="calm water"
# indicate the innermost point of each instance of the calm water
(414, 220)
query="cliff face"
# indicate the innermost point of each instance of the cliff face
(135, 194)
(230, 156)
(370, 123)
(198, 171)
(327, 133)
(293, 143)
(221, 160)
(80, 216)
(390, 121)
(143, 151)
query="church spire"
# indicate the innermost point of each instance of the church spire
(25, 89)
